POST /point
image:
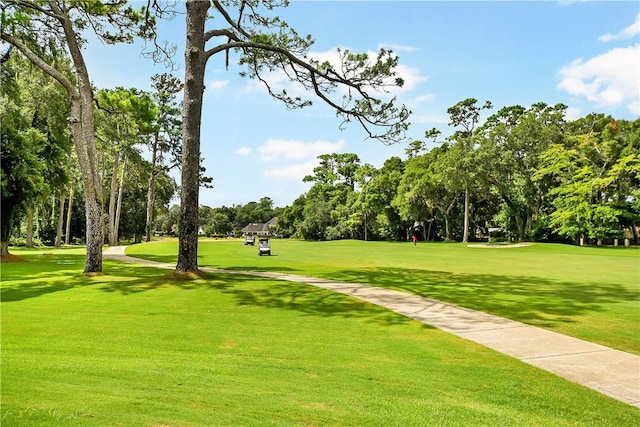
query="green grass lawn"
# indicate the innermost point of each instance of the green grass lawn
(138, 347)
(586, 292)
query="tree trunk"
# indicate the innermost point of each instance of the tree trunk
(365, 227)
(151, 190)
(116, 225)
(465, 233)
(58, 242)
(112, 199)
(447, 227)
(195, 61)
(82, 129)
(69, 211)
(29, 239)
(4, 248)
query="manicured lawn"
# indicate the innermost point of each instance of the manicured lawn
(138, 347)
(590, 293)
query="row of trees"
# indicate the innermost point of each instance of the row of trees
(219, 221)
(526, 171)
(40, 177)
(50, 34)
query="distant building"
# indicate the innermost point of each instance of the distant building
(260, 229)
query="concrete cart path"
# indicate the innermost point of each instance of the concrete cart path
(606, 370)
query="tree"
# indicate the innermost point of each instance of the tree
(465, 114)
(430, 186)
(124, 118)
(22, 173)
(165, 138)
(134, 201)
(44, 30)
(510, 145)
(385, 183)
(218, 224)
(596, 171)
(265, 44)
(31, 102)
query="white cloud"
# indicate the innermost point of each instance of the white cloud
(295, 171)
(570, 2)
(629, 32)
(216, 84)
(244, 151)
(572, 113)
(430, 119)
(426, 98)
(277, 149)
(295, 159)
(609, 80)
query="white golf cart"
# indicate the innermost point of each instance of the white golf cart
(264, 247)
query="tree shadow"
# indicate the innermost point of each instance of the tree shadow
(264, 292)
(42, 278)
(311, 301)
(61, 273)
(527, 299)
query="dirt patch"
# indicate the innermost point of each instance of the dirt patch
(12, 258)
(500, 245)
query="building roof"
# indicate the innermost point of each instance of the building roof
(259, 227)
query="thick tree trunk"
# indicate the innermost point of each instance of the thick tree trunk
(195, 61)
(69, 211)
(29, 238)
(58, 242)
(82, 130)
(4, 248)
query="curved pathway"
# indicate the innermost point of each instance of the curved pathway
(606, 370)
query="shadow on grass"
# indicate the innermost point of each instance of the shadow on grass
(531, 300)
(46, 277)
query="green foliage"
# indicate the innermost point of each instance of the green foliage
(26, 160)
(596, 176)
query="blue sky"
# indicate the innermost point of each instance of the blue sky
(580, 53)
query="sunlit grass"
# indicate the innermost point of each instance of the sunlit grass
(586, 292)
(140, 347)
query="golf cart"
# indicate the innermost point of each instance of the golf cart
(264, 248)
(250, 239)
